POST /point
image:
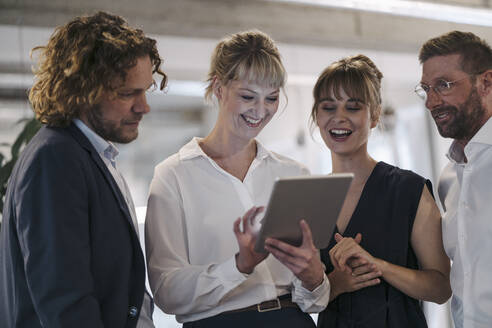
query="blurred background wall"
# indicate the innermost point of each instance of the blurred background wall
(310, 34)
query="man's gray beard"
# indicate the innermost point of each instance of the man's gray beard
(467, 120)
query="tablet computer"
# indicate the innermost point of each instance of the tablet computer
(316, 199)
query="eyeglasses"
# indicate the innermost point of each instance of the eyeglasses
(442, 87)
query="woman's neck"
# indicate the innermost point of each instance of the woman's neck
(234, 155)
(361, 165)
(221, 144)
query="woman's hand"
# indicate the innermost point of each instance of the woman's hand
(247, 258)
(363, 275)
(303, 261)
(348, 250)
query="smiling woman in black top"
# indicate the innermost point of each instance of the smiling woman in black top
(386, 253)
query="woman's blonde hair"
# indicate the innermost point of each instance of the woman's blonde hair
(251, 56)
(358, 76)
(82, 59)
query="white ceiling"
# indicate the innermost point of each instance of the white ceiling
(289, 23)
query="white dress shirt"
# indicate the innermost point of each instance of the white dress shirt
(190, 242)
(108, 153)
(465, 190)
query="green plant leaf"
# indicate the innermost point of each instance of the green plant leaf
(5, 172)
(1, 201)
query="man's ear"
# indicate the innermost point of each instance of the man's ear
(485, 83)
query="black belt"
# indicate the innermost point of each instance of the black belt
(278, 303)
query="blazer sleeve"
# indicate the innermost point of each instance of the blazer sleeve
(52, 221)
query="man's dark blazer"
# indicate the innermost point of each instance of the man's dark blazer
(69, 254)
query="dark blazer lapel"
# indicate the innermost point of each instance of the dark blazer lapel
(86, 144)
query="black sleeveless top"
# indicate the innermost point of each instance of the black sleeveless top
(384, 215)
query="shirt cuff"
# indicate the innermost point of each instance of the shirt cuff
(311, 301)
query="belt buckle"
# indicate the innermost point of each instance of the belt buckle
(276, 306)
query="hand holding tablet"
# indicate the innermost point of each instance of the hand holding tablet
(247, 258)
(303, 261)
(316, 199)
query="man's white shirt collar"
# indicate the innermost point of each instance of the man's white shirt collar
(104, 148)
(456, 154)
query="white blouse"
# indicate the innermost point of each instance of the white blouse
(190, 243)
(465, 190)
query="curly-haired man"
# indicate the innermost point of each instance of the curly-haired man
(69, 248)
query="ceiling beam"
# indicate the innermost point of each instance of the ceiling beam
(286, 22)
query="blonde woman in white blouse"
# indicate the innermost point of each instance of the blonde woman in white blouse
(202, 266)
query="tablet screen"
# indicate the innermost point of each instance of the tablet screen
(316, 199)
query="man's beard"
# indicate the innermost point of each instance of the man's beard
(107, 129)
(466, 119)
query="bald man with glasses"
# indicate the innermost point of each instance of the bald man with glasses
(456, 85)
